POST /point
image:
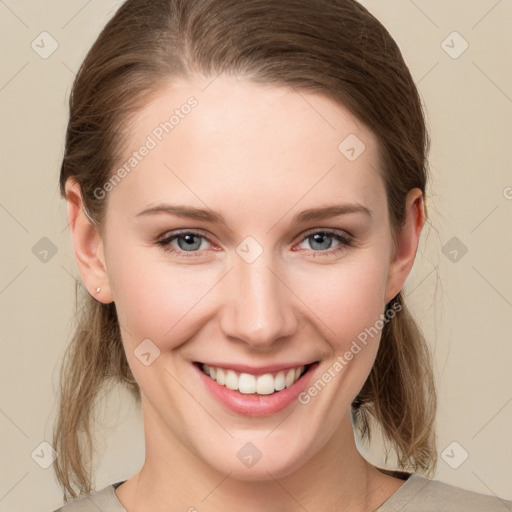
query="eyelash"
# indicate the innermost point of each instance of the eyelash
(165, 243)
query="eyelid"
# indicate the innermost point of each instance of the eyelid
(207, 235)
(344, 238)
(336, 231)
(175, 233)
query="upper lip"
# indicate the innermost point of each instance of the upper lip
(257, 370)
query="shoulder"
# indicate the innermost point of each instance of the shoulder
(104, 500)
(421, 494)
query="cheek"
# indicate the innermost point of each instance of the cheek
(350, 305)
(166, 302)
(347, 298)
(155, 298)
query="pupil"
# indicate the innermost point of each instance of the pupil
(189, 239)
(318, 238)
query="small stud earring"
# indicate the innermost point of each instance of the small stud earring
(98, 290)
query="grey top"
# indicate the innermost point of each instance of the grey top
(417, 494)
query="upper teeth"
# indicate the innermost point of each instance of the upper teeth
(246, 383)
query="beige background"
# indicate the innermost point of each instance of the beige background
(463, 301)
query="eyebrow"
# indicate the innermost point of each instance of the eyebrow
(202, 214)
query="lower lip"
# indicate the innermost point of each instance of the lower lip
(253, 404)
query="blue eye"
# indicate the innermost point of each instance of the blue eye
(190, 242)
(321, 241)
(187, 243)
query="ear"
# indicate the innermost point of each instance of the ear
(407, 243)
(87, 245)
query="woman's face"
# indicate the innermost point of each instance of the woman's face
(226, 244)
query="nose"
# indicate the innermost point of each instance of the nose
(259, 309)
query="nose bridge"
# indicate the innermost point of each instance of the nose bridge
(259, 310)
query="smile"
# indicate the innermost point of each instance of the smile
(248, 383)
(251, 391)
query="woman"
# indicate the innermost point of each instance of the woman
(245, 185)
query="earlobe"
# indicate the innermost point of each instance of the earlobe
(407, 243)
(87, 245)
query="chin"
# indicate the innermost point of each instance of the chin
(259, 460)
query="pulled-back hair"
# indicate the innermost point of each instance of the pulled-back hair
(332, 47)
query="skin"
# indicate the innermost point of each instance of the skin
(257, 154)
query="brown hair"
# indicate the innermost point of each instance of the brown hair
(332, 47)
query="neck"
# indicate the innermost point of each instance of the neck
(173, 479)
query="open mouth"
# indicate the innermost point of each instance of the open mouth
(246, 383)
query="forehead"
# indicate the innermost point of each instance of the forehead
(238, 143)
